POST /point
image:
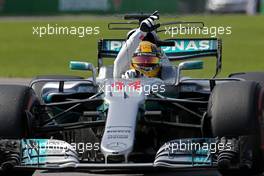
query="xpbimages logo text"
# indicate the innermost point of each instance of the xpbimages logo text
(210, 31)
(184, 146)
(55, 29)
(61, 147)
(132, 87)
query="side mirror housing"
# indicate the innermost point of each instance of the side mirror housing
(84, 66)
(77, 65)
(191, 65)
(188, 65)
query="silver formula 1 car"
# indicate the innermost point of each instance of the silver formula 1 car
(170, 122)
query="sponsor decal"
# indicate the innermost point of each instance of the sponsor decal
(189, 45)
(114, 45)
(136, 85)
(180, 46)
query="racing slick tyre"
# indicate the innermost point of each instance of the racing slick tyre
(37, 87)
(250, 76)
(16, 102)
(234, 112)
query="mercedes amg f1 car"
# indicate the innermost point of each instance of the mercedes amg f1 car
(102, 123)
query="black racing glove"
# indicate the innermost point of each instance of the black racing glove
(148, 24)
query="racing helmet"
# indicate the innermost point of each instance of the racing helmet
(146, 59)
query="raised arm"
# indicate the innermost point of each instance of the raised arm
(122, 62)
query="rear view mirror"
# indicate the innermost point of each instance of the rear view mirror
(191, 65)
(77, 65)
(86, 66)
(188, 65)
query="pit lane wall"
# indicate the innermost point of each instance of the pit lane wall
(31, 7)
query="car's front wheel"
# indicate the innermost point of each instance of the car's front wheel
(234, 111)
(16, 102)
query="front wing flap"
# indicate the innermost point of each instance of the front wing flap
(49, 154)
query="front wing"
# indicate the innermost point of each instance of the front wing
(48, 154)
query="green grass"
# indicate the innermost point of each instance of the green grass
(25, 55)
